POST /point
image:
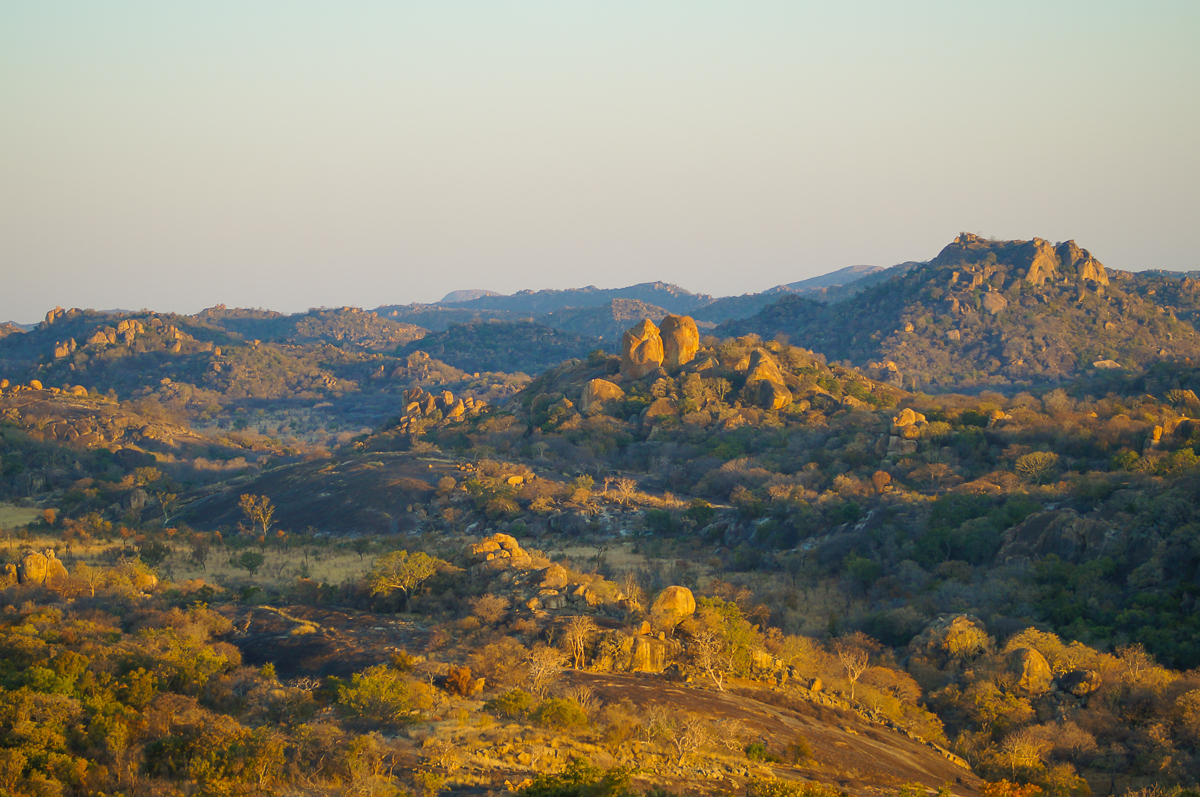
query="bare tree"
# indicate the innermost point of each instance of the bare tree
(685, 731)
(625, 489)
(258, 510)
(579, 631)
(854, 652)
(708, 651)
(544, 666)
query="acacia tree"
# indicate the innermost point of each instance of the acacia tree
(400, 570)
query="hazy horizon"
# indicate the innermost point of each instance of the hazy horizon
(289, 156)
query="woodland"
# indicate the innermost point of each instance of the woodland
(936, 533)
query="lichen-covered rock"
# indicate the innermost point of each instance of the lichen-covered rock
(681, 340)
(1031, 670)
(641, 350)
(598, 391)
(672, 606)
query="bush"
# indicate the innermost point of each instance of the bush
(560, 714)
(513, 704)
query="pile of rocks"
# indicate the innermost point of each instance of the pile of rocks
(645, 348)
(35, 568)
(419, 405)
(907, 429)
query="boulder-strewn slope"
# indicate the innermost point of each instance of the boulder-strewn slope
(989, 313)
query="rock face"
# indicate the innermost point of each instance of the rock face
(764, 382)
(681, 340)
(598, 391)
(641, 350)
(1082, 263)
(672, 606)
(1031, 670)
(1060, 532)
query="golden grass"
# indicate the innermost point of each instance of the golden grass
(12, 516)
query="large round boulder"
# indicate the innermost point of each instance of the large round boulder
(681, 340)
(1031, 670)
(598, 391)
(672, 606)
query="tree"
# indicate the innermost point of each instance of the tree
(544, 665)
(578, 633)
(709, 651)
(625, 489)
(258, 509)
(166, 501)
(400, 570)
(250, 560)
(1037, 466)
(854, 652)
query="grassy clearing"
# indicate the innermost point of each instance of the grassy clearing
(12, 516)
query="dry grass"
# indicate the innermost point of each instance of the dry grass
(12, 516)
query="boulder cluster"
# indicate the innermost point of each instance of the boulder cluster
(420, 405)
(646, 348)
(35, 568)
(907, 429)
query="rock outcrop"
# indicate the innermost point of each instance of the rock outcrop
(681, 340)
(41, 568)
(765, 385)
(641, 350)
(598, 391)
(1031, 670)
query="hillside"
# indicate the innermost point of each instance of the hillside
(510, 347)
(659, 294)
(606, 322)
(990, 313)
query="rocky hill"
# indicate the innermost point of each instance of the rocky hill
(990, 313)
(606, 322)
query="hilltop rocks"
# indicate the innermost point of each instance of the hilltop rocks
(672, 606)
(681, 340)
(641, 350)
(1081, 262)
(1041, 260)
(907, 428)
(1031, 669)
(598, 391)
(764, 382)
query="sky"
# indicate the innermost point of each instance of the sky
(290, 155)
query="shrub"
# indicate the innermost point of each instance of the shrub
(513, 704)
(560, 714)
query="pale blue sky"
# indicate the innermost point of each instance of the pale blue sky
(288, 155)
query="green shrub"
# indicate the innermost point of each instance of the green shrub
(513, 704)
(560, 714)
